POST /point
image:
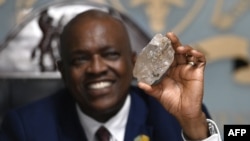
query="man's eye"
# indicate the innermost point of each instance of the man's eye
(112, 55)
(79, 60)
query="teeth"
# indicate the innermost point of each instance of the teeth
(100, 85)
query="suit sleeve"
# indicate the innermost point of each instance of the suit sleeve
(12, 128)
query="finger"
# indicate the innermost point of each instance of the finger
(198, 55)
(178, 59)
(184, 50)
(175, 44)
(194, 57)
(200, 59)
(174, 40)
(182, 54)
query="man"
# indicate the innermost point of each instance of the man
(96, 65)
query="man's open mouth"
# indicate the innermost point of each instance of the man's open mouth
(99, 85)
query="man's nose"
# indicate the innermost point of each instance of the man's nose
(97, 65)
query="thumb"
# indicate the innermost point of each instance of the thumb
(147, 89)
(144, 86)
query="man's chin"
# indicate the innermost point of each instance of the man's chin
(103, 108)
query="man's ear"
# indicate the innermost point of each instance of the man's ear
(134, 55)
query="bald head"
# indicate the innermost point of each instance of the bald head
(90, 15)
(93, 19)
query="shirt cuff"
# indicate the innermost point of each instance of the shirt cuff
(213, 130)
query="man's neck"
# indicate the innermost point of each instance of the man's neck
(104, 115)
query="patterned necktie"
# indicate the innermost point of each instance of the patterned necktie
(102, 134)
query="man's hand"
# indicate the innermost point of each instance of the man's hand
(181, 89)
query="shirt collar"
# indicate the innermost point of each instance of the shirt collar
(116, 125)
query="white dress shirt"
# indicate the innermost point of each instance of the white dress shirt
(117, 125)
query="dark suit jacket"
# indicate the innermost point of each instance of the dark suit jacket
(55, 119)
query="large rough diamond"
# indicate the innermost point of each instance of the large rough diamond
(154, 60)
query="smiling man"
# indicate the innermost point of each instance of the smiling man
(96, 65)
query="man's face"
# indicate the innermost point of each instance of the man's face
(97, 65)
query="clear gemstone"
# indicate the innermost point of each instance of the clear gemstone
(154, 60)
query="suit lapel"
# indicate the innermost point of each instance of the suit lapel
(137, 120)
(69, 125)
